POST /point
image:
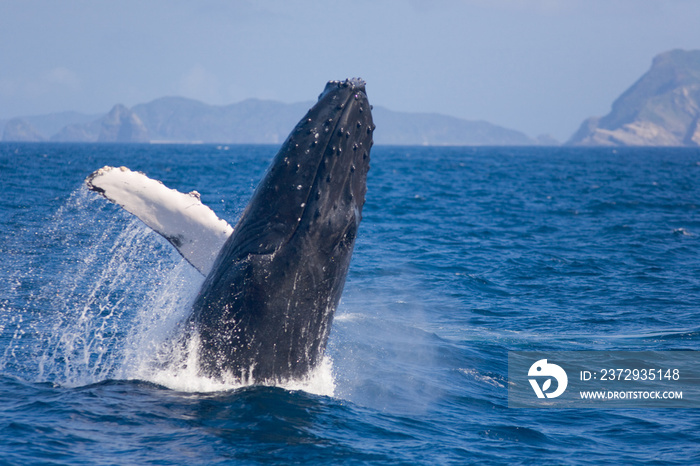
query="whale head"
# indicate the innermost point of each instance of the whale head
(265, 309)
(317, 180)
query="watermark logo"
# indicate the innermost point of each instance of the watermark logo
(604, 379)
(542, 369)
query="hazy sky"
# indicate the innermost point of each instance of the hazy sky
(538, 66)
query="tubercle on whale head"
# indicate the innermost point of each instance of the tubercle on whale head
(342, 117)
(321, 168)
(352, 83)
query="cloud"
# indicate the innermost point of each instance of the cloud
(63, 77)
(59, 80)
(198, 83)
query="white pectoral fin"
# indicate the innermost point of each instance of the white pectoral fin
(190, 226)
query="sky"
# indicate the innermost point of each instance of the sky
(537, 66)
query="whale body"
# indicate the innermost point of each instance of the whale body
(273, 282)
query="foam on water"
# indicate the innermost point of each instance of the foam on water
(113, 307)
(184, 376)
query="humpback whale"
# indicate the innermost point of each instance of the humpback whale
(273, 282)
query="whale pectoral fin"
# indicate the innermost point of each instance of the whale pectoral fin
(193, 228)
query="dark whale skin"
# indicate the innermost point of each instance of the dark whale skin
(265, 310)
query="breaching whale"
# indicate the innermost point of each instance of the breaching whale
(264, 311)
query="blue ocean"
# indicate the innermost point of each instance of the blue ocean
(463, 254)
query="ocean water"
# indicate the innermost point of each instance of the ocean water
(463, 255)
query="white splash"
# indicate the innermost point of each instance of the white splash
(185, 376)
(113, 308)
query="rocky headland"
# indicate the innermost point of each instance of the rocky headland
(661, 109)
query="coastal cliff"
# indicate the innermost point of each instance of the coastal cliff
(661, 109)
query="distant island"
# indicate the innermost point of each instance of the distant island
(252, 121)
(661, 109)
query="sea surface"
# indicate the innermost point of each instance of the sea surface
(463, 255)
